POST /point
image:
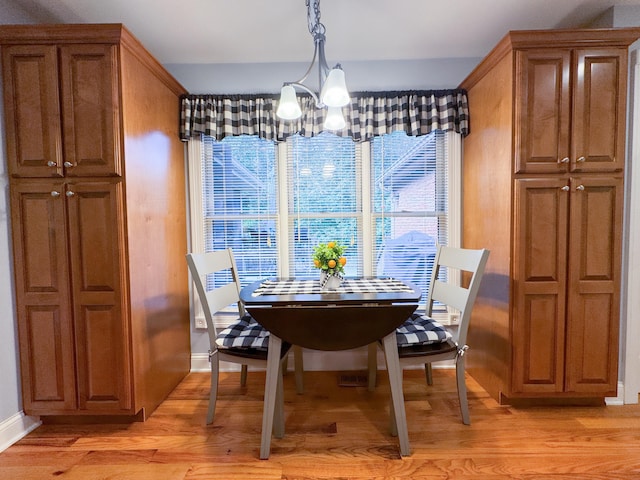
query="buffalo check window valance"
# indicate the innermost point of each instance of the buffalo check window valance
(368, 115)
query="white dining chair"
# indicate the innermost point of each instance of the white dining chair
(422, 340)
(244, 341)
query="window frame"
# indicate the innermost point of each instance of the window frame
(195, 207)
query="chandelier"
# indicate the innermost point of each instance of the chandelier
(333, 89)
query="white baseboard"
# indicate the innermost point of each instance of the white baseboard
(618, 399)
(15, 427)
(314, 360)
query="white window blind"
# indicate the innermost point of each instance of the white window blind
(324, 200)
(389, 201)
(409, 190)
(240, 202)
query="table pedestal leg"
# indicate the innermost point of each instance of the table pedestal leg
(397, 397)
(270, 389)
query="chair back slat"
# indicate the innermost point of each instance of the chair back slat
(222, 297)
(464, 259)
(449, 294)
(214, 300)
(458, 297)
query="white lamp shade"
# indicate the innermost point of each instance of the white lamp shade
(288, 107)
(335, 119)
(334, 91)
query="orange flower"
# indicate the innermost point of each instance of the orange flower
(343, 261)
(331, 263)
(317, 263)
(331, 244)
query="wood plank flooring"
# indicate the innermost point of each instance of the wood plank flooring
(336, 432)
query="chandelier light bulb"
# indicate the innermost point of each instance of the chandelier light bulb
(334, 120)
(288, 108)
(334, 91)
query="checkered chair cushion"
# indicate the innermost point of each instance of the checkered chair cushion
(245, 333)
(421, 330)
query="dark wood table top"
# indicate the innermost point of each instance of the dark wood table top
(331, 320)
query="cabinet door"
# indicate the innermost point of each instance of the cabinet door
(599, 110)
(32, 111)
(42, 285)
(594, 285)
(101, 329)
(542, 111)
(90, 107)
(540, 285)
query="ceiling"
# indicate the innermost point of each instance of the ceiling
(257, 31)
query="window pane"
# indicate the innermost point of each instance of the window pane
(409, 198)
(239, 202)
(324, 175)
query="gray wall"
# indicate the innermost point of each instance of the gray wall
(361, 76)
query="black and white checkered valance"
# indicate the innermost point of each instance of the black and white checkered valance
(369, 114)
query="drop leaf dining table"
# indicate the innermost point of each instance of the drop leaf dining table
(359, 312)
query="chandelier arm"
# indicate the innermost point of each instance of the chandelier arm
(323, 68)
(306, 74)
(301, 86)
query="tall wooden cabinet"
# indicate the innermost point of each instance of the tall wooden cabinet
(543, 190)
(98, 219)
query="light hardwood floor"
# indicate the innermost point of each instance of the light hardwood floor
(339, 433)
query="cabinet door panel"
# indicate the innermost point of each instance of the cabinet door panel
(45, 323)
(540, 272)
(90, 109)
(594, 285)
(32, 111)
(599, 110)
(95, 220)
(542, 111)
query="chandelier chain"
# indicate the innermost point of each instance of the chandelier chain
(313, 18)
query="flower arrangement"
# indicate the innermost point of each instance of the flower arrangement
(329, 258)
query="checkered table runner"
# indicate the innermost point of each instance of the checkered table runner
(349, 285)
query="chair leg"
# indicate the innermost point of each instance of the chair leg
(299, 369)
(278, 416)
(372, 365)
(243, 376)
(462, 391)
(213, 390)
(428, 371)
(393, 426)
(394, 370)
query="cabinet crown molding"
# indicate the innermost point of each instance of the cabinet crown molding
(62, 33)
(101, 33)
(555, 39)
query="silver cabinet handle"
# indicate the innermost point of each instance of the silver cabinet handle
(70, 193)
(55, 194)
(580, 159)
(68, 164)
(564, 160)
(580, 187)
(51, 163)
(565, 188)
